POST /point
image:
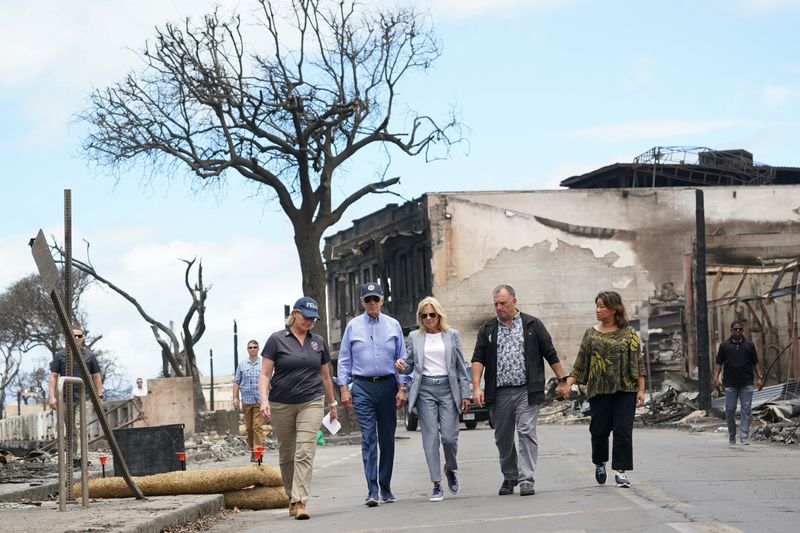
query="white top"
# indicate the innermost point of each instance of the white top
(434, 355)
(139, 392)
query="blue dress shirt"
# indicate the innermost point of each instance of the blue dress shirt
(369, 347)
(247, 375)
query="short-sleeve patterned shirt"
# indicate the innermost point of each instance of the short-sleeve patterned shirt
(511, 354)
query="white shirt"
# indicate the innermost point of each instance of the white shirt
(433, 364)
(139, 392)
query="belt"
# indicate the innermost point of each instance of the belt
(373, 379)
(435, 380)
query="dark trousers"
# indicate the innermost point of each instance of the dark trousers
(374, 403)
(613, 412)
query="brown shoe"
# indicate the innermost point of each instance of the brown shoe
(300, 512)
(292, 509)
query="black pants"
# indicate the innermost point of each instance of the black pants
(613, 412)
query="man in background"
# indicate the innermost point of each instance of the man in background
(58, 368)
(737, 360)
(245, 382)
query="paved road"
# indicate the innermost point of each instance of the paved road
(686, 482)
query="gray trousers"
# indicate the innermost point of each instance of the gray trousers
(511, 414)
(438, 417)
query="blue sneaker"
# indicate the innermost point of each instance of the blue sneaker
(372, 501)
(388, 498)
(437, 495)
(452, 480)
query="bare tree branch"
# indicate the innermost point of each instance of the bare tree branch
(285, 113)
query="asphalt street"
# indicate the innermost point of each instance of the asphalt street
(686, 482)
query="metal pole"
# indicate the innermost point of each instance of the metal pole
(69, 356)
(211, 363)
(63, 489)
(701, 305)
(235, 346)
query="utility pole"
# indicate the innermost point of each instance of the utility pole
(211, 364)
(235, 346)
(701, 305)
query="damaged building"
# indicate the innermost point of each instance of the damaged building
(628, 227)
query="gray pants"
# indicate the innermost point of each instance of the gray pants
(511, 413)
(438, 416)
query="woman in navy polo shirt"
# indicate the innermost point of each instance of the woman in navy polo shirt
(297, 376)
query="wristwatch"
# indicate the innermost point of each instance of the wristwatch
(563, 379)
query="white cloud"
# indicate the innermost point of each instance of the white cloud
(777, 96)
(251, 281)
(658, 129)
(767, 5)
(461, 9)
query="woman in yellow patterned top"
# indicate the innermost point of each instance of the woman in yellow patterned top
(610, 364)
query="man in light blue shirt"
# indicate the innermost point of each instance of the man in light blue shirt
(371, 344)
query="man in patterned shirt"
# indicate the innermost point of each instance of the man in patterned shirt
(512, 348)
(246, 381)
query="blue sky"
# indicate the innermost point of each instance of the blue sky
(547, 89)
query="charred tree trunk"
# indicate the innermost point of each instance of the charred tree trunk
(307, 239)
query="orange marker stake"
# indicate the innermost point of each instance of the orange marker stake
(103, 459)
(182, 459)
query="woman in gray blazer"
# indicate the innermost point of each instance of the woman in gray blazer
(440, 387)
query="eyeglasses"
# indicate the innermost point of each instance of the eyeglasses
(252, 347)
(737, 329)
(372, 299)
(78, 335)
(428, 315)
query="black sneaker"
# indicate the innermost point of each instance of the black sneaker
(526, 489)
(452, 480)
(507, 487)
(600, 474)
(372, 501)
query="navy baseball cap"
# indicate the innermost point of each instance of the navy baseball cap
(307, 307)
(371, 289)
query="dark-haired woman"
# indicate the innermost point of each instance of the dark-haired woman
(610, 364)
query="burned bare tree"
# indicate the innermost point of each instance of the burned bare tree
(322, 89)
(177, 354)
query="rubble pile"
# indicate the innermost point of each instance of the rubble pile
(204, 447)
(777, 421)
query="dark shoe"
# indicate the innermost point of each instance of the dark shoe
(372, 500)
(622, 480)
(388, 498)
(437, 495)
(452, 480)
(600, 474)
(526, 489)
(507, 487)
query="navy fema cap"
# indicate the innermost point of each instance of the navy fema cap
(307, 307)
(371, 289)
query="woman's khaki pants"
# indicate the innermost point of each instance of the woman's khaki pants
(295, 426)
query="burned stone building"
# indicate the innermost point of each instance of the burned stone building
(628, 227)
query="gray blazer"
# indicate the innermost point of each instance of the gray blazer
(454, 361)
